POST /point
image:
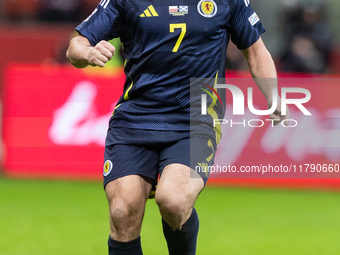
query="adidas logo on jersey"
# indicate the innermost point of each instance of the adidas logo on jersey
(149, 12)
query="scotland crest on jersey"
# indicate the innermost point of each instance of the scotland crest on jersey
(207, 8)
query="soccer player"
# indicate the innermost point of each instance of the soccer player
(150, 134)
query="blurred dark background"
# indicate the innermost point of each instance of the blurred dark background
(302, 35)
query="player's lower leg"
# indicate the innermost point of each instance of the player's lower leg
(175, 196)
(132, 247)
(183, 240)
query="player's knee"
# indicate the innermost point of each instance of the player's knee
(124, 213)
(172, 206)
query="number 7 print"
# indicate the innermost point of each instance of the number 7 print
(183, 27)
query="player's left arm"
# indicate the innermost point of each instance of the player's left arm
(262, 68)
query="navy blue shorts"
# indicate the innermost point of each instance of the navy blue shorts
(147, 152)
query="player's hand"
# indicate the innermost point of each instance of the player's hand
(277, 116)
(100, 54)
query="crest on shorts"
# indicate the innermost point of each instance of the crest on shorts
(107, 167)
(207, 8)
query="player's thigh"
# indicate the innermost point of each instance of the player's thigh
(180, 184)
(130, 190)
(129, 173)
(178, 165)
(127, 197)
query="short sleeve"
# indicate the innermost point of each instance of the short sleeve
(245, 25)
(105, 23)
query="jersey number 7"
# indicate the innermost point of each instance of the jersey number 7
(183, 27)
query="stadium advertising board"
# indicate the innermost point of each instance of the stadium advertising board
(55, 121)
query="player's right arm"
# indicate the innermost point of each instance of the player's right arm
(81, 53)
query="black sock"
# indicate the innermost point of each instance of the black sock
(182, 241)
(125, 248)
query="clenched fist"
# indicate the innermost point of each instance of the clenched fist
(81, 53)
(100, 54)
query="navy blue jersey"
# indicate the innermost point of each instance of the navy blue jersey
(166, 43)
